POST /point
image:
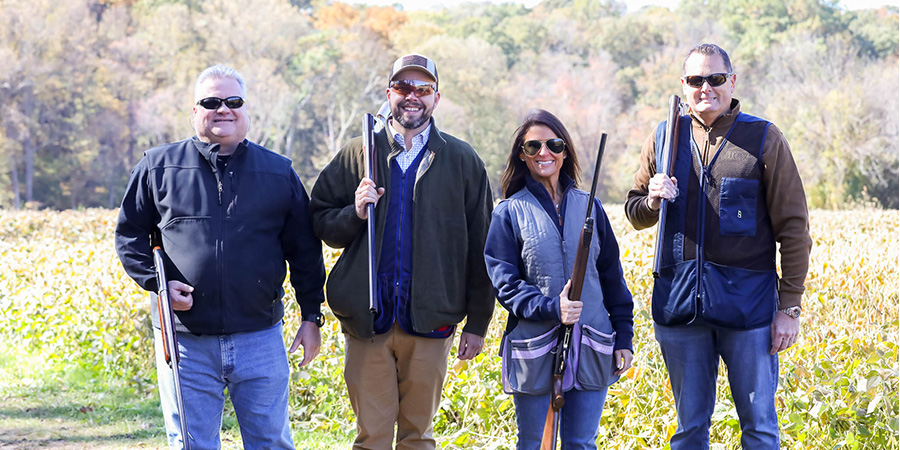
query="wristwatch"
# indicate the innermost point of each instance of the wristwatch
(316, 318)
(793, 311)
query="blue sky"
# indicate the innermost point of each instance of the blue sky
(633, 5)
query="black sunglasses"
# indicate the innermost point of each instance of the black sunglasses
(533, 147)
(716, 79)
(419, 88)
(215, 102)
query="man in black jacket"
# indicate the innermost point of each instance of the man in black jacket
(230, 213)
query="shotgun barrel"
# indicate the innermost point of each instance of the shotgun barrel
(551, 424)
(169, 335)
(368, 133)
(667, 160)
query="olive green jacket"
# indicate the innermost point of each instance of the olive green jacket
(452, 210)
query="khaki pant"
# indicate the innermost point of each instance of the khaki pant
(395, 378)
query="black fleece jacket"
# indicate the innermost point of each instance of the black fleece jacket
(227, 234)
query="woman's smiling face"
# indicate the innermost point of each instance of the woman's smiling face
(544, 165)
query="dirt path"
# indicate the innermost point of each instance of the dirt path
(54, 422)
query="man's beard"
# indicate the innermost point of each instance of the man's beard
(410, 124)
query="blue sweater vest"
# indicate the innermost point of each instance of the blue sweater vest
(395, 263)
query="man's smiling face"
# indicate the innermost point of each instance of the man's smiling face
(223, 125)
(411, 112)
(707, 102)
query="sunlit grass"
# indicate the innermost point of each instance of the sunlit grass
(75, 329)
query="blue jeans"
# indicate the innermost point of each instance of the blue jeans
(579, 419)
(692, 356)
(254, 368)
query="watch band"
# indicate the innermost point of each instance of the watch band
(792, 311)
(316, 318)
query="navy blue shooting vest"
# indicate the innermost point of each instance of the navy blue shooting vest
(718, 254)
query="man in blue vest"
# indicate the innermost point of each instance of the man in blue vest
(734, 193)
(430, 226)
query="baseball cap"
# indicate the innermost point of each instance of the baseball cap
(415, 61)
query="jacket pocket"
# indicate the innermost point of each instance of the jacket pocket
(737, 207)
(596, 365)
(674, 293)
(738, 298)
(528, 363)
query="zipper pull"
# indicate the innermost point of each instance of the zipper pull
(710, 181)
(220, 191)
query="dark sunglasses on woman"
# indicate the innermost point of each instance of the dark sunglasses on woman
(533, 147)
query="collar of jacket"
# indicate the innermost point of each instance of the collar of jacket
(435, 141)
(725, 120)
(210, 151)
(538, 190)
(540, 193)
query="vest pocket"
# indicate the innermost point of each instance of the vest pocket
(737, 207)
(528, 363)
(738, 298)
(595, 360)
(674, 293)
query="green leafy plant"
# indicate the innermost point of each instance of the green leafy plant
(65, 299)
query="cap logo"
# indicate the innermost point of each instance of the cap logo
(414, 60)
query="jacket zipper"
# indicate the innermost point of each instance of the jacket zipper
(701, 217)
(219, 188)
(705, 178)
(398, 260)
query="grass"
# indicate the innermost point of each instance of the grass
(80, 373)
(41, 408)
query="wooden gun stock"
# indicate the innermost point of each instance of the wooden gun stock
(670, 151)
(551, 424)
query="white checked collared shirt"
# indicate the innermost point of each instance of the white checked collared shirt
(408, 155)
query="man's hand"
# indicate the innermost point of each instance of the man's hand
(469, 346)
(569, 312)
(784, 332)
(180, 295)
(365, 194)
(623, 360)
(660, 188)
(310, 337)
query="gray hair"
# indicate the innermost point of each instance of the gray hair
(219, 71)
(708, 50)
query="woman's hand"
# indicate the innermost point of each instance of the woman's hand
(623, 360)
(569, 312)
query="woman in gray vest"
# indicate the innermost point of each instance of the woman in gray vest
(530, 251)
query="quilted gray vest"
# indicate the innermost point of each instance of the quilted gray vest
(548, 258)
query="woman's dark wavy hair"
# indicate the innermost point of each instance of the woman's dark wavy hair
(513, 178)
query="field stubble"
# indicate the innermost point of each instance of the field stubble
(65, 298)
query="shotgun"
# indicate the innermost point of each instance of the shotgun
(369, 152)
(167, 329)
(551, 425)
(667, 161)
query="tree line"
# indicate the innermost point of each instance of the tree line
(88, 85)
